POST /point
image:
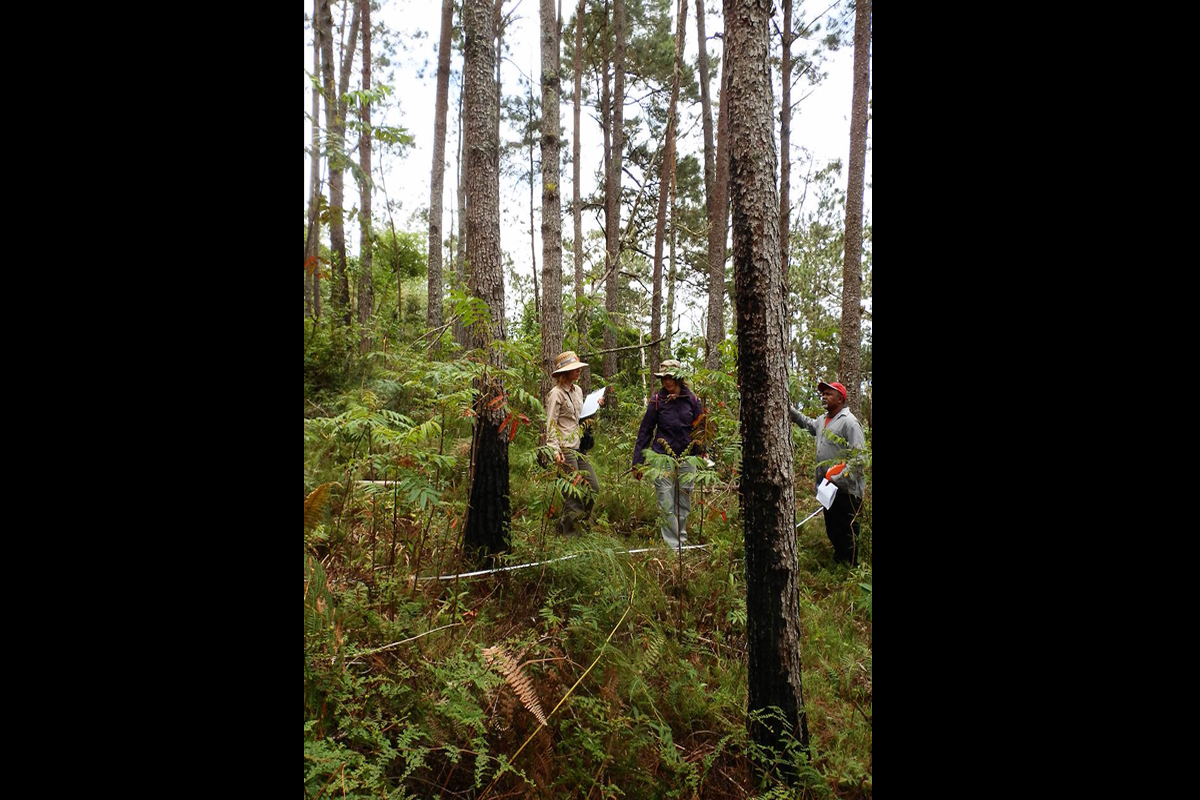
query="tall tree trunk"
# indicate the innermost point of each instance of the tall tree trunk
(552, 314)
(851, 372)
(312, 246)
(606, 130)
(332, 147)
(613, 191)
(487, 525)
(537, 301)
(670, 327)
(365, 287)
(498, 24)
(461, 334)
(767, 501)
(433, 309)
(335, 126)
(665, 170)
(718, 215)
(706, 111)
(576, 203)
(785, 159)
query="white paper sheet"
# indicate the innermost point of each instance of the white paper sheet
(826, 492)
(591, 403)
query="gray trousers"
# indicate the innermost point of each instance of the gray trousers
(674, 503)
(575, 509)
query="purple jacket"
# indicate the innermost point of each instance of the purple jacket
(671, 420)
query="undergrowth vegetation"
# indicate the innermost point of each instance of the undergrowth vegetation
(419, 686)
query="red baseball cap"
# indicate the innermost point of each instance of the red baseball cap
(838, 386)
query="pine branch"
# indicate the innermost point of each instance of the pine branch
(618, 349)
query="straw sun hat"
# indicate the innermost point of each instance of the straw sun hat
(565, 362)
(670, 369)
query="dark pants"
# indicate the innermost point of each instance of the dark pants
(575, 509)
(841, 526)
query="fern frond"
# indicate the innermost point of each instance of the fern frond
(314, 504)
(517, 679)
(543, 759)
(652, 652)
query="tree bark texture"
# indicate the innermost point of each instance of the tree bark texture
(851, 371)
(487, 525)
(576, 207)
(706, 110)
(785, 157)
(767, 499)
(670, 320)
(335, 127)
(461, 335)
(718, 215)
(552, 309)
(433, 309)
(613, 190)
(665, 171)
(537, 301)
(366, 297)
(332, 147)
(312, 242)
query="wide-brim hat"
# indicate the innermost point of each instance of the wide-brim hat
(838, 386)
(670, 369)
(565, 362)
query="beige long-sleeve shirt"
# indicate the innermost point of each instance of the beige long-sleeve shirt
(562, 417)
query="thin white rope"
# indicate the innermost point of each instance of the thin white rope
(551, 561)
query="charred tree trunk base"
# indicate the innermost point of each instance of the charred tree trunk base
(487, 529)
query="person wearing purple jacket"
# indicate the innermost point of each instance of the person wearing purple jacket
(667, 427)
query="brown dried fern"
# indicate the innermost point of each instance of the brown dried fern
(517, 679)
(506, 711)
(314, 504)
(542, 756)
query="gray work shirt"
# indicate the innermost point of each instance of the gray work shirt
(847, 427)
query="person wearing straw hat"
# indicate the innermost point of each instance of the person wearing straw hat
(669, 421)
(841, 519)
(564, 401)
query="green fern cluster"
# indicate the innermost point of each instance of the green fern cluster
(400, 698)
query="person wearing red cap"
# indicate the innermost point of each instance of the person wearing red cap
(841, 519)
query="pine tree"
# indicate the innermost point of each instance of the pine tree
(335, 129)
(851, 372)
(312, 269)
(552, 314)
(433, 309)
(767, 498)
(365, 288)
(576, 203)
(717, 193)
(665, 173)
(488, 515)
(612, 269)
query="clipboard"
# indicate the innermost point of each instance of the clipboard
(825, 493)
(591, 403)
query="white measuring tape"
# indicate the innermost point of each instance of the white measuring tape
(551, 561)
(810, 516)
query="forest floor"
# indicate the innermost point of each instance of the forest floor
(636, 663)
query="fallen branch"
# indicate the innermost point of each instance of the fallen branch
(618, 349)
